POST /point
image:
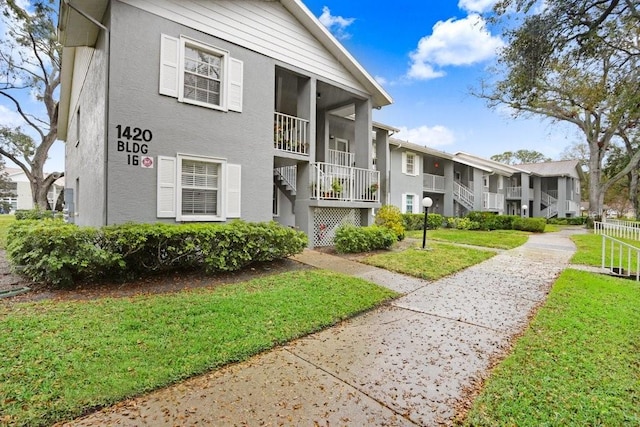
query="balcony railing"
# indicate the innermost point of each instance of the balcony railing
(290, 134)
(341, 158)
(344, 183)
(432, 182)
(493, 201)
(514, 192)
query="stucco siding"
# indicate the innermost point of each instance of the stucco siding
(178, 128)
(402, 183)
(262, 26)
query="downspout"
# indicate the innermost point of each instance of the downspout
(106, 101)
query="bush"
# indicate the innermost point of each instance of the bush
(535, 225)
(62, 254)
(416, 221)
(389, 216)
(352, 239)
(463, 224)
(502, 222)
(31, 214)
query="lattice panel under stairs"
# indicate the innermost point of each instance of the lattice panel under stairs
(327, 220)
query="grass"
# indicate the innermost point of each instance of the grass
(498, 239)
(60, 359)
(5, 220)
(442, 260)
(577, 364)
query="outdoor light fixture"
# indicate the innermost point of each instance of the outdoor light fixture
(426, 202)
(524, 210)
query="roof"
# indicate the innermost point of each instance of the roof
(560, 168)
(76, 30)
(492, 165)
(420, 148)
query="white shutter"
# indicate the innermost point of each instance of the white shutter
(404, 162)
(234, 186)
(403, 203)
(236, 71)
(417, 204)
(416, 165)
(169, 65)
(166, 196)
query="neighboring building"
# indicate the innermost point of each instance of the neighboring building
(213, 110)
(21, 197)
(460, 183)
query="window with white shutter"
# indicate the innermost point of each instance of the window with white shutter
(200, 74)
(409, 164)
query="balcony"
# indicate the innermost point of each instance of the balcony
(290, 134)
(433, 182)
(514, 192)
(344, 183)
(492, 201)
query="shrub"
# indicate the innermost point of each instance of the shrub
(483, 219)
(416, 221)
(30, 214)
(61, 254)
(535, 225)
(502, 222)
(462, 224)
(389, 216)
(352, 239)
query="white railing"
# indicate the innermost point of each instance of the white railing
(549, 211)
(514, 192)
(290, 134)
(614, 230)
(288, 175)
(463, 195)
(623, 257)
(552, 193)
(493, 201)
(621, 222)
(334, 182)
(432, 182)
(341, 158)
(548, 199)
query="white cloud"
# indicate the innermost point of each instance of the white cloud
(381, 80)
(336, 24)
(478, 6)
(428, 136)
(10, 118)
(453, 42)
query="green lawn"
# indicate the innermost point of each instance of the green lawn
(441, 260)
(60, 359)
(499, 239)
(578, 364)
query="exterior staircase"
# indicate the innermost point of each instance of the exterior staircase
(551, 204)
(285, 179)
(463, 195)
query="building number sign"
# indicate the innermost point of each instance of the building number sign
(133, 142)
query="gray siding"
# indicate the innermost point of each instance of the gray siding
(402, 183)
(241, 138)
(85, 154)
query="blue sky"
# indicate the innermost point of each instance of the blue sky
(428, 55)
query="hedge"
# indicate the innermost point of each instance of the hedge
(535, 225)
(51, 251)
(352, 239)
(26, 214)
(416, 221)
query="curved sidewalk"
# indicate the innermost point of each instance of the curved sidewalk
(407, 363)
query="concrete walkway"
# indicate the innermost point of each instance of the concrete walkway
(407, 363)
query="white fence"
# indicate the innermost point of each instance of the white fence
(334, 182)
(290, 134)
(615, 230)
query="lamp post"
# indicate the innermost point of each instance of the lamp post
(524, 211)
(426, 202)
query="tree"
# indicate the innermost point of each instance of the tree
(30, 67)
(520, 156)
(576, 61)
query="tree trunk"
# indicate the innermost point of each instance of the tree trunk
(633, 191)
(596, 195)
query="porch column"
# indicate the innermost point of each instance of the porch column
(307, 109)
(383, 163)
(363, 127)
(304, 213)
(477, 189)
(537, 196)
(525, 193)
(562, 197)
(448, 188)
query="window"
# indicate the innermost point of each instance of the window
(199, 188)
(485, 181)
(200, 74)
(409, 203)
(409, 164)
(196, 188)
(275, 208)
